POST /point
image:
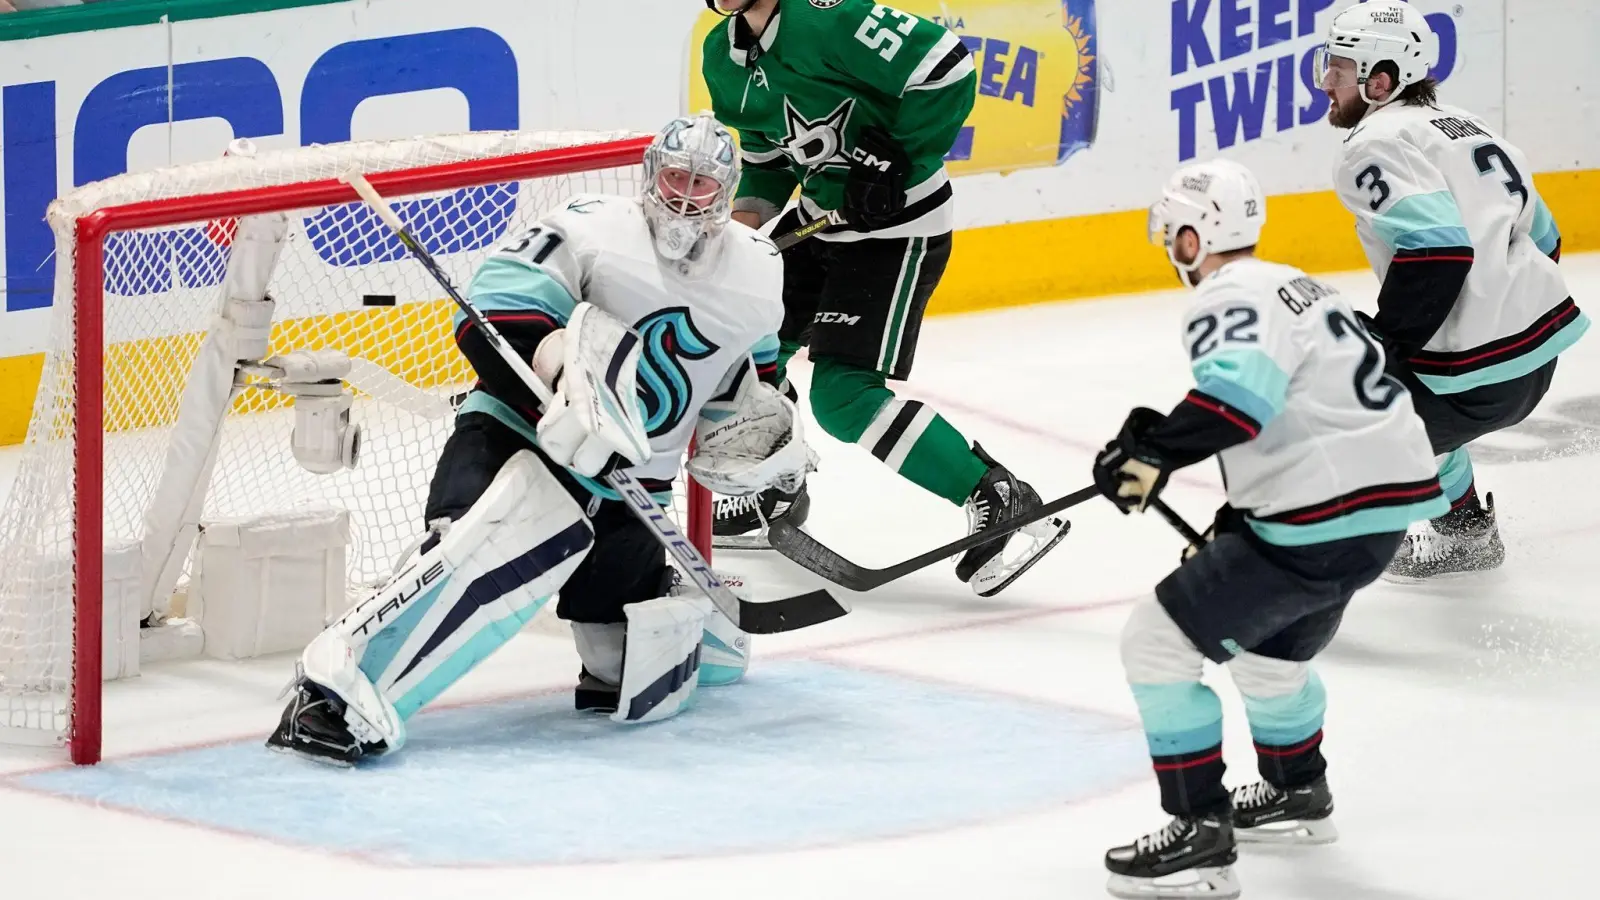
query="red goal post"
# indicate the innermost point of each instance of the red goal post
(145, 271)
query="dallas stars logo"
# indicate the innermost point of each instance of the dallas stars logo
(816, 142)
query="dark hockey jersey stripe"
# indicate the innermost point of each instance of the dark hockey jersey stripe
(1460, 362)
(914, 211)
(897, 429)
(1198, 427)
(1375, 497)
(952, 59)
(1235, 417)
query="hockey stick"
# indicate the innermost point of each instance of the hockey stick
(1178, 524)
(811, 554)
(789, 239)
(786, 614)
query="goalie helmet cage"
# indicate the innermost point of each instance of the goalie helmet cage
(144, 266)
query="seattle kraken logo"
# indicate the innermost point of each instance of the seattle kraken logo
(669, 337)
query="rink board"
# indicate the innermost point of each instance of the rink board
(803, 754)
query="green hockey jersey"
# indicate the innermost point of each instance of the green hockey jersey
(821, 71)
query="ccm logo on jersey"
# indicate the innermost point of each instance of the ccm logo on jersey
(867, 159)
(836, 318)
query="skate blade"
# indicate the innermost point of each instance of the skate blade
(1294, 831)
(1009, 572)
(1206, 882)
(1395, 578)
(741, 542)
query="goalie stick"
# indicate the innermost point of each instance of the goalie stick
(811, 554)
(786, 614)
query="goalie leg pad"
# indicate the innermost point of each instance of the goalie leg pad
(661, 665)
(461, 597)
(724, 649)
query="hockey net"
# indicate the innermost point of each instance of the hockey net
(143, 262)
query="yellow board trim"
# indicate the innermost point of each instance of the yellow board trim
(1092, 256)
(990, 268)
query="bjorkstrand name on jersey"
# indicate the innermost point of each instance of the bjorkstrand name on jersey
(1219, 71)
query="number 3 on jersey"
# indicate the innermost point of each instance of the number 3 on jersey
(1371, 179)
(1375, 389)
(1485, 158)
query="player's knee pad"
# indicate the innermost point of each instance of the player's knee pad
(654, 659)
(1155, 650)
(1284, 701)
(1263, 676)
(468, 589)
(845, 398)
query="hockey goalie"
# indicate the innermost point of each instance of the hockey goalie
(652, 319)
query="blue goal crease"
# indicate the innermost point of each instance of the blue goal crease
(512, 782)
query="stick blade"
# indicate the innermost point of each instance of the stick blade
(810, 554)
(791, 613)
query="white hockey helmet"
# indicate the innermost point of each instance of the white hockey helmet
(1219, 199)
(1376, 32)
(690, 172)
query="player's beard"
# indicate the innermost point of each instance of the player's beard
(1346, 115)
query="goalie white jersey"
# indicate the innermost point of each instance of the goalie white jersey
(702, 323)
(1337, 449)
(1437, 181)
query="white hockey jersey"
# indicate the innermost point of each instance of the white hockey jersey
(698, 330)
(1338, 451)
(1425, 178)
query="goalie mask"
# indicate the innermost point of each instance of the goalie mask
(690, 171)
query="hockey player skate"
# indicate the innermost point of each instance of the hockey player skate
(1191, 857)
(1266, 815)
(314, 726)
(740, 523)
(998, 497)
(1460, 541)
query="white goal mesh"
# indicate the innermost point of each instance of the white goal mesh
(342, 282)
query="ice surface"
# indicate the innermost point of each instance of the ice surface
(1462, 723)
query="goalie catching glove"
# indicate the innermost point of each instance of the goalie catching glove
(749, 439)
(593, 425)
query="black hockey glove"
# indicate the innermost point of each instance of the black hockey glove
(1127, 472)
(875, 189)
